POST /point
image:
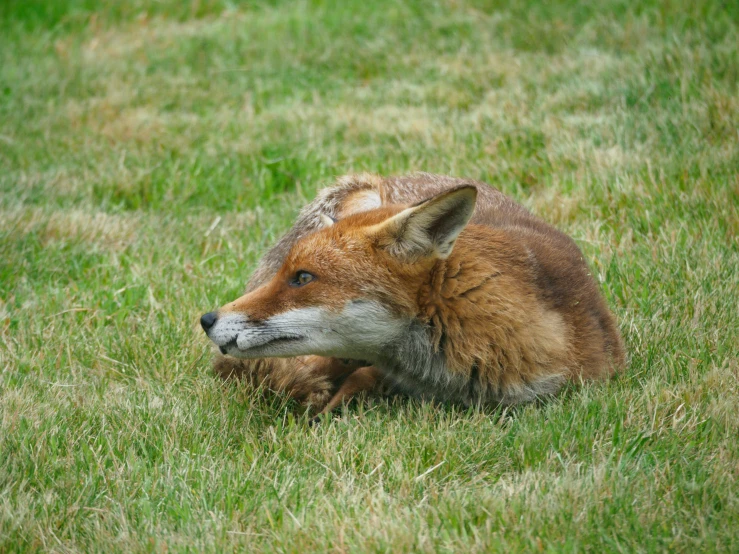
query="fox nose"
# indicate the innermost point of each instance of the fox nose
(208, 320)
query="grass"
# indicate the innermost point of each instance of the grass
(151, 151)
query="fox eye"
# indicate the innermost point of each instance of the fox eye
(302, 278)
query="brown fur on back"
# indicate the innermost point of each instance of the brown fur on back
(498, 313)
(563, 283)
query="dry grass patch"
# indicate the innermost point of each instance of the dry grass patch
(108, 231)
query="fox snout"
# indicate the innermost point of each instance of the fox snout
(237, 334)
(208, 322)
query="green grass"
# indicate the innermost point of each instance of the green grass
(128, 128)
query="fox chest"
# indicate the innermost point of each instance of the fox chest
(417, 369)
(414, 368)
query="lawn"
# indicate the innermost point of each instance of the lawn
(150, 151)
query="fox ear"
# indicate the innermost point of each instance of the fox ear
(429, 228)
(362, 200)
(327, 220)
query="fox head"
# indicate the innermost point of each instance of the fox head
(347, 289)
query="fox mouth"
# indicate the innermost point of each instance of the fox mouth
(224, 348)
(233, 347)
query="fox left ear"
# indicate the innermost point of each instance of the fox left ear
(327, 220)
(431, 227)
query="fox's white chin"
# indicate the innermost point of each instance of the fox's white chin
(245, 346)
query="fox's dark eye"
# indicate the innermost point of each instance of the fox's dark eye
(302, 278)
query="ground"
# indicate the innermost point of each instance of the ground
(151, 151)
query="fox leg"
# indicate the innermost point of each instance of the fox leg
(310, 380)
(305, 379)
(361, 380)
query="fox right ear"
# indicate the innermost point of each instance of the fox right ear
(429, 228)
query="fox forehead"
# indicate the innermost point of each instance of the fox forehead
(346, 243)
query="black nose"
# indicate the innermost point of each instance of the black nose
(208, 320)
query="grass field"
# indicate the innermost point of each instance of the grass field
(151, 151)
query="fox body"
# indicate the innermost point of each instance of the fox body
(464, 296)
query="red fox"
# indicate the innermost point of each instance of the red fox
(462, 296)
